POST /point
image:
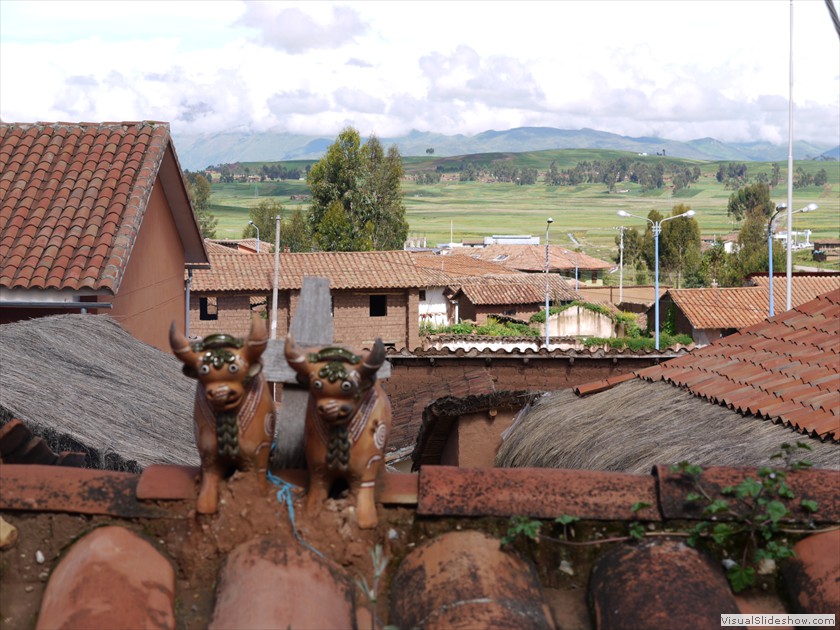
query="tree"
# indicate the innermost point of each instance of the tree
(430, 151)
(199, 189)
(333, 231)
(751, 198)
(263, 217)
(365, 182)
(632, 246)
(295, 233)
(680, 244)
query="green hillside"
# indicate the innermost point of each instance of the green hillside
(588, 211)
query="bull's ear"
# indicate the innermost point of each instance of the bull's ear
(189, 371)
(303, 379)
(254, 369)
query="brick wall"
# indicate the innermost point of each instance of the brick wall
(416, 382)
(355, 327)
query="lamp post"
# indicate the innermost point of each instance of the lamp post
(548, 223)
(276, 278)
(258, 234)
(771, 230)
(657, 229)
(621, 229)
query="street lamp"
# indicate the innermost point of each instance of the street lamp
(657, 229)
(771, 230)
(621, 228)
(258, 234)
(548, 223)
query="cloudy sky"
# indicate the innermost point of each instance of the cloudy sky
(680, 69)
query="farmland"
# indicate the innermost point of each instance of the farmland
(473, 210)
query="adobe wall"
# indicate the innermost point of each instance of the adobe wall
(478, 437)
(151, 295)
(355, 327)
(233, 316)
(410, 375)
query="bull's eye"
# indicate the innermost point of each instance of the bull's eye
(346, 386)
(204, 369)
(233, 368)
(318, 385)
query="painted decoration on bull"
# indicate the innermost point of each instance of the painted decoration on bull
(348, 419)
(234, 413)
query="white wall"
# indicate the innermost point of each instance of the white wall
(580, 322)
(433, 309)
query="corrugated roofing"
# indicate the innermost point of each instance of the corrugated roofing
(785, 370)
(72, 197)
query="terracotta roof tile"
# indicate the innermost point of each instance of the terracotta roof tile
(531, 258)
(787, 370)
(739, 307)
(515, 288)
(345, 270)
(59, 181)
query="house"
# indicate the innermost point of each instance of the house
(729, 241)
(732, 402)
(708, 314)
(95, 217)
(443, 271)
(373, 294)
(518, 296)
(531, 259)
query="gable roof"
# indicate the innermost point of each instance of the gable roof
(518, 288)
(738, 307)
(345, 270)
(73, 196)
(786, 370)
(458, 266)
(531, 258)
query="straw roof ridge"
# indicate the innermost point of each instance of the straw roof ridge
(83, 383)
(636, 425)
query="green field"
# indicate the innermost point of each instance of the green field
(588, 212)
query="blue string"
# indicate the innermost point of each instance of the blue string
(284, 495)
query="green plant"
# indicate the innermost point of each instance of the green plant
(748, 516)
(566, 521)
(522, 526)
(636, 530)
(380, 563)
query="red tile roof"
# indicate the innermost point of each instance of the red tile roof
(72, 198)
(345, 270)
(520, 288)
(458, 266)
(786, 369)
(738, 307)
(531, 258)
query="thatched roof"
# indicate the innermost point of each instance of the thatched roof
(638, 424)
(83, 383)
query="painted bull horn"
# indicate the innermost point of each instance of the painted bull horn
(373, 361)
(294, 357)
(257, 338)
(181, 345)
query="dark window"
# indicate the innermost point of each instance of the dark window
(509, 311)
(422, 295)
(378, 305)
(208, 309)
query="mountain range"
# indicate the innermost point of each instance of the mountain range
(200, 151)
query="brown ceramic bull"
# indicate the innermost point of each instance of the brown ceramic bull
(347, 423)
(234, 412)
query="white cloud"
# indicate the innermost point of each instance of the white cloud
(296, 30)
(683, 69)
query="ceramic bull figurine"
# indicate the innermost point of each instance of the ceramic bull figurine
(234, 412)
(347, 423)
